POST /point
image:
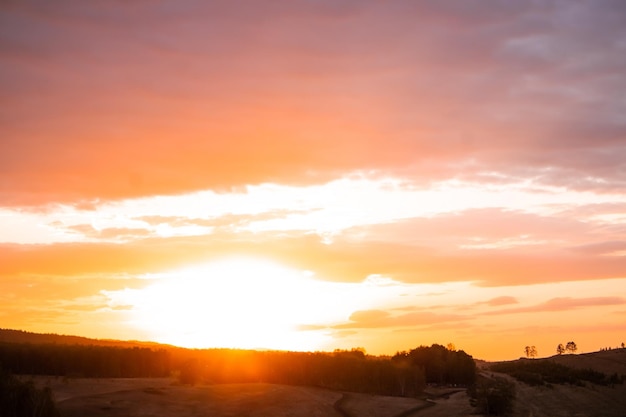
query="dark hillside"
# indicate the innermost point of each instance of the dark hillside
(585, 385)
(20, 336)
(405, 374)
(598, 368)
(607, 362)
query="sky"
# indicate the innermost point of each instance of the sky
(315, 174)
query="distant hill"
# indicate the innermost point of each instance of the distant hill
(603, 368)
(607, 362)
(589, 384)
(20, 336)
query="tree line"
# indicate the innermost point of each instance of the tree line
(84, 360)
(441, 365)
(404, 374)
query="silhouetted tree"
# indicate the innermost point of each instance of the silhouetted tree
(571, 347)
(410, 378)
(442, 366)
(560, 349)
(530, 351)
(87, 361)
(348, 370)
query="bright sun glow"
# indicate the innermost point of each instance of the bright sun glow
(236, 302)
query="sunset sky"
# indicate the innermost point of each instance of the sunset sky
(315, 174)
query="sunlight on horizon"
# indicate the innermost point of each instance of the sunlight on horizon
(246, 302)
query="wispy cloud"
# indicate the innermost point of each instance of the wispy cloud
(383, 319)
(563, 304)
(499, 301)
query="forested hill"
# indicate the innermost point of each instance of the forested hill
(20, 336)
(404, 374)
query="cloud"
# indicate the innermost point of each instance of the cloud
(602, 248)
(52, 303)
(32, 290)
(310, 327)
(345, 260)
(109, 233)
(383, 319)
(563, 304)
(495, 226)
(227, 221)
(340, 334)
(292, 92)
(500, 301)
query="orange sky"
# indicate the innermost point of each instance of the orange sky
(315, 175)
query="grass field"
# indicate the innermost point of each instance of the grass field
(160, 397)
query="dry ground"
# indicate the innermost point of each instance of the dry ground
(608, 362)
(570, 401)
(364, 405)
(574, 401)
(160, 397)
(447, 403)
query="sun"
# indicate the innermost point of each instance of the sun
(236, 302)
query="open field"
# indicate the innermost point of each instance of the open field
(160, 397)
(163, 397)
(570, 401)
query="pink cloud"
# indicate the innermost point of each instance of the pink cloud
(500, 301)
(99, 105)
(344, 260)
(379, 318)
(563, 304)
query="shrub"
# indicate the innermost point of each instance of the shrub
(493, 396)
(22, 399)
